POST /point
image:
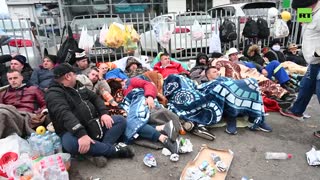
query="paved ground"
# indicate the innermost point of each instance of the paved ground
(249, 147)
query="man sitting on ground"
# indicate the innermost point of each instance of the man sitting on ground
(22, 107)
(71, 107)
(166, 67)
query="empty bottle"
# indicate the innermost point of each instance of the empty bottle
(277, 155)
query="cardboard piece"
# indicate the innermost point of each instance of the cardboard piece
(205, 154)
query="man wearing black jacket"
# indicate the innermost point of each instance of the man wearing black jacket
(71, 106)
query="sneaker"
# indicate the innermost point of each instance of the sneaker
(265, 127)
(170, 131)
(203, 132)
(123, 151)
(171, 145)
(288, 113)
(188, 126)
(231, 126)
(99, 161)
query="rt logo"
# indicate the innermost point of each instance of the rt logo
(304, 15)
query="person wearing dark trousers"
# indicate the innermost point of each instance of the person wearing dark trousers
(72, 107)
(310, 83)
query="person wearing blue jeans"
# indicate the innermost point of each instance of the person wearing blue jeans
(105, 147)
(310, 83)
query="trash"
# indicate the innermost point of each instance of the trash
(221, 166)
(185, 145)
(149, 160)
(203, 166)
(245, 178)
(194, 173)
(210, 171)
(174, 157)
(313, 157)
(166, 152)
(277, 155)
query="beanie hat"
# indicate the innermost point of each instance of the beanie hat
(216, 55)
(80, 54)
(62, 69)
(22, 59)
(52, 58)
(302, 3)
(275, 41)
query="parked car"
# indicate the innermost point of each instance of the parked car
(20, 37)
(181, 39)
(94, 24)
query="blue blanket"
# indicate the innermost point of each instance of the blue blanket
(206, 103)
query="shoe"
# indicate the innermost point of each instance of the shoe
(170, 131)
(99, 161)
(188, 126)
(265, 127)
(171, 145)
(203, 132)
(231, 126)
(288, 113)
(123, 151)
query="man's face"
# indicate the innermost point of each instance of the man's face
(203, 61)
(71, 77)
(47, 64)
(103, 68)
(293, 51)
(16, 65)
(133, 67)
(83, 64)
(165, 61)
(93, 76)
(15, 79)
(212, 74)
(233, 57)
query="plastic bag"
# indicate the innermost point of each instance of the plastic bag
(197, 32)
(162, 32)
(133, 35)
(130, 42)
(280, 29)
(103, 34)
(86, 41)
(11, 148)
(115, 36)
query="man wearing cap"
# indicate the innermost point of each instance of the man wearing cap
(293, 55)
(43, 76)
(310, 83)
(71, 106)
(20, 64)
(82, 62)
(27, 106)
(274, 68)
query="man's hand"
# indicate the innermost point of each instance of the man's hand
(150, 102)
(84, 144)
(264, 72)
(107, 121)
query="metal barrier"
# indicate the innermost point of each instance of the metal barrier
(181, 45)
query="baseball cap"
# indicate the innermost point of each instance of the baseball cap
(62, 69)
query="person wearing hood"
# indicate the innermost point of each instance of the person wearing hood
(310, 83)
(43, 76)
(274, 53)
(294, 56)
(197, 73)
(19, 63)
(134, 68)
(253, 54)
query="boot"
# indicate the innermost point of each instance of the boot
(123, 151)
(231, 125)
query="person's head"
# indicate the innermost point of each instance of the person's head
(93, 75)
(216, 55)
(18, 63)
(164, 59)
(14, 78)
(202, 59)
(233, 54)
(132, 64)
(253, 50)
(103, 68)
(49, 61)
(65, 74)
(293, 48)
(276, 45)
(295, 4)
(212, 73)
(81, 59)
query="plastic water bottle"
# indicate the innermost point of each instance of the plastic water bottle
(277, 155)
(47, 146)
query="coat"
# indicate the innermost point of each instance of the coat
(172, 68)
(41, 77)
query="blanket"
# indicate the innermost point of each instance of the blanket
(13, 121)
(206, 103)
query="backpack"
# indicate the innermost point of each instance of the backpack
(250, 29)
(67, 48)
(264, 31)
(228, 31)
